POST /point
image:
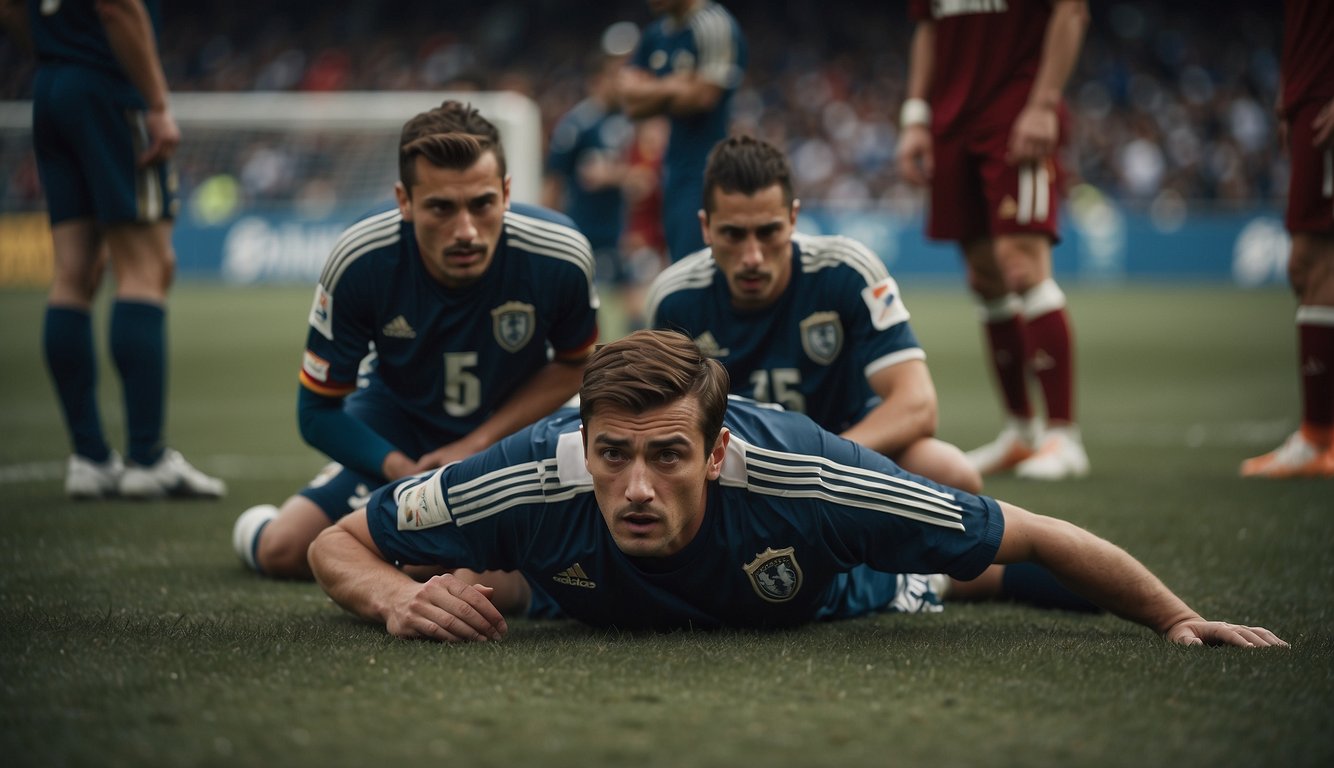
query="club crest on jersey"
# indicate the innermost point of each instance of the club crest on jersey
(513, 323)
(774, 574)
(822, 337)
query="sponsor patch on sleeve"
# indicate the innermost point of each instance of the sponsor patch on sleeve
(886, 306)
(421, 505)
(321, 312)
(315, 367)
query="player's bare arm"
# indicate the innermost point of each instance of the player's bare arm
(351, 569)
(907, 411)
(552, 385)
(914, 151)
(1037, 129)
(130, 33)
(1111, 578)
(641, 94)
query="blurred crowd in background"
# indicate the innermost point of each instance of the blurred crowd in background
(1172, 101)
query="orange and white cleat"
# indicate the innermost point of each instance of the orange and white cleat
(1017, 441)
(1296, 457)
(1060, 456)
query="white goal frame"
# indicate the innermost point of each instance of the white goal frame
(516, 116)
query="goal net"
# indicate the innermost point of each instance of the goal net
(267, 180)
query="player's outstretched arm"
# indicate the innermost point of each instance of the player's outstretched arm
(350, 568)
(1112, 579)
(915, 159)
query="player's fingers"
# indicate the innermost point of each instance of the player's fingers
(466, 607)
(1258, 636)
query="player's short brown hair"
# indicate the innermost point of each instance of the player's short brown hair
(649, 369)
(747, 165)
(453, 135)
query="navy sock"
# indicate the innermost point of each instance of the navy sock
(1032, 584)
(67, 343)
(139, 348)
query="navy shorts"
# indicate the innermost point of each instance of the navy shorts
(88, 131)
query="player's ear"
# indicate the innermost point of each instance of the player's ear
(404, 200)
(792, 214)
(704, 226)
(505, 187)
(716, 456)
(583, 435)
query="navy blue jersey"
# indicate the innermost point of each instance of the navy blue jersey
(840, 320)
(587, 134)
(447, 358)
(70, 32)
(797, 516)
(710, 44)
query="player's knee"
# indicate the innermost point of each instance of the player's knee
(282, 554)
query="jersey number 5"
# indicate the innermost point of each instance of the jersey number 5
(786, 383)
(463, 390)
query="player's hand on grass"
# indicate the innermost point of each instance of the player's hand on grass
(1202, 632)
(447, 609)
(163, 135)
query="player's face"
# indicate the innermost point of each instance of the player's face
(650, 474)
(457, 217)
(751, 237)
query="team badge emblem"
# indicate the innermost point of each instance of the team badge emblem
(822, 337)
(513, 323)
(774, 574)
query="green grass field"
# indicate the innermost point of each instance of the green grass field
(130, 635)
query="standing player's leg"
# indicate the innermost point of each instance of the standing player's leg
(1310, 450)
(1007, 342)
(67, 345)
(1310, 218)
(134, 207)
(1025, 262)
(1023, 206)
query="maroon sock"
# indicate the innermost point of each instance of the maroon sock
(1051, 354)
(1315, 351)
(1008, 355)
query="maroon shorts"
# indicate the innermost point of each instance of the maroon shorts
(1311, 185)
(976, 194)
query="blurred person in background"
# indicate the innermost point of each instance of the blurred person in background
(815, 324)
(104, 136)
(981, 125)
(687, 66)
(586, 168)
(1306, 114)
(478, 318)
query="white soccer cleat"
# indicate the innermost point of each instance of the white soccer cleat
(1061, 456)
(171, 476)
(88, 479)
(245, 533)
(1015, 443)
(1297, 457)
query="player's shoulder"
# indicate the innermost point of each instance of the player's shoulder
(681, 281)
(378, 232)
(835, 253)
(548, 234)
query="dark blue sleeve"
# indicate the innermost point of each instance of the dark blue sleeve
(328, 428)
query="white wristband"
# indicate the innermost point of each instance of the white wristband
(915, 112)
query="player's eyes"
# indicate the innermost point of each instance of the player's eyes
(612, 455)
(669, 457)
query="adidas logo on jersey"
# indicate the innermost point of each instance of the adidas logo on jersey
(709, 345)
(574, 576)
(398, 328)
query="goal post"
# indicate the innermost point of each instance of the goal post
(268, 180)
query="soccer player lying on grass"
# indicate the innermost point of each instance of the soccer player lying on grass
(673, 507)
